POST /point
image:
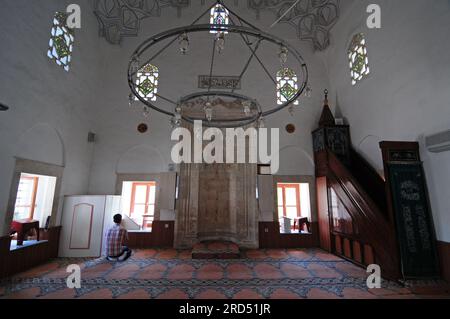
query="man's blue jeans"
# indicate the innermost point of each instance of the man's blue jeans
(126, 253)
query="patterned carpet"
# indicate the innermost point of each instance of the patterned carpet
(172, 274)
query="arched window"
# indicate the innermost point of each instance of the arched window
(61, 41)
(147, 82)
(219, 15)
(357, 56)
(287, 85)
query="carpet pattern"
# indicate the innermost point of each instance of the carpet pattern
(172, 274)
(216, 250)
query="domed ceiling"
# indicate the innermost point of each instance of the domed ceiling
(312, 19)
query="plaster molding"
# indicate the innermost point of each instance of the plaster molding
(122, 18)
(313, 19)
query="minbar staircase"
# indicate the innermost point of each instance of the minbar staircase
(373, 237)
(355, 207)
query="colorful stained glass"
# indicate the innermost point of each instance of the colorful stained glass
(147, 82)
(287, 86)
(61, 41)
(358, 60)
(288, 91)
(220, 16)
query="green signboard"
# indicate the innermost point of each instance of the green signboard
(413, 221)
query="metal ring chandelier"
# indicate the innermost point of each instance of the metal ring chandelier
(251, 111)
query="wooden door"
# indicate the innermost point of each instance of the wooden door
(82, 226)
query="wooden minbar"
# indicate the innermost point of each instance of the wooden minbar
(351, 200)
(331, 136)
(328, 137)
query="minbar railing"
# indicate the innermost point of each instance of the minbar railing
(375, 240)
(374, 228)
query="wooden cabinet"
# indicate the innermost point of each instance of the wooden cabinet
(84, 221)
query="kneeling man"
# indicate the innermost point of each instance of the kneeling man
(115, 242)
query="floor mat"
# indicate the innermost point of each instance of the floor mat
(173, 274)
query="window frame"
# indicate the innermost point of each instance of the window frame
(283, 186)
(32, 205)
(59, 21)
(145, 73)
(147, 204)
(215, 13)
(286, 76)
(358, 41)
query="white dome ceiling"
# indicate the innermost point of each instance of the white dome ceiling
(312, 19)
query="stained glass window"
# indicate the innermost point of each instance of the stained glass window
(357, 56)
(287, 85)
(147, 82)
(219, 15)
(61, 41)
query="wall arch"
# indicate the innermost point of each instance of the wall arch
(294, 160)
(369, 148)
(42, 143)
(141, 159)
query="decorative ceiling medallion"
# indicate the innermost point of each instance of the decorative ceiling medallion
(313, 19)
(142, 128)
(290, 128)
(121, 18)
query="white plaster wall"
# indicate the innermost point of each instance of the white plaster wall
(295, 160)
(407, 93)
(51, 145)
(116, 126)
(50, 110)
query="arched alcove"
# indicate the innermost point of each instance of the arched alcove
(41, 143)
(369, 147)
(141, 159)
(294, 160)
